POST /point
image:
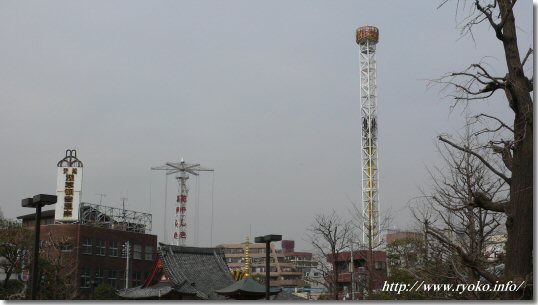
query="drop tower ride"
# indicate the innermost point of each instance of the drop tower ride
(367, 38)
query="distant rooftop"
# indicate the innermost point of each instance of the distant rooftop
(114, 218)
(44, 214)
(105, 217)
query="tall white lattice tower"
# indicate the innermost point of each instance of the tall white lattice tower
(367, 38)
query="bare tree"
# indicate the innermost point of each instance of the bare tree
(58, 252)
(460, 230)
(13, 239)
(516, 151)
(329, 234)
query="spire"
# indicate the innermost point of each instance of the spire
(247, 260)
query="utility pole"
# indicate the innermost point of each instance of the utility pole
(101, 195)
(352, 269)
(127, 253)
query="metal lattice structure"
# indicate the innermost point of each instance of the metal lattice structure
(182, 169)
(367, 38)
(114, 218)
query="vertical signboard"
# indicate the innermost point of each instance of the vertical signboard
(68, 187)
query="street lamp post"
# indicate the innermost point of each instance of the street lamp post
(267, 239)
(37, 202)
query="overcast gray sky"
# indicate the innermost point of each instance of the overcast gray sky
(264, 92)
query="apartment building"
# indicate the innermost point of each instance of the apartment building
(283, 273)
(355, 277)
(303, 261)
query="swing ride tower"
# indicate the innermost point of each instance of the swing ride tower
(367, 38)
(181, 169)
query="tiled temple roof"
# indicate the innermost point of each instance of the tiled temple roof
(191, 270)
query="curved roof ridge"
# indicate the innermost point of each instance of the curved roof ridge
(221, 261)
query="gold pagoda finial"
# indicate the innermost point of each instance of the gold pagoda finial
(247, 260)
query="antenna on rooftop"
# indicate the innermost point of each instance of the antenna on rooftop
(123, 199)
(101, 195)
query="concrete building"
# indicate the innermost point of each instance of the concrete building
(301, 260)
(87, 240)
(394, 235)
(91, 251)
(362, 269)
(406, 249)
(283, 273)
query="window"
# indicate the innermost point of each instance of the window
(112, 278)
(86, 245)
(100, 247)
(238, 250)
(137, 251)
(99, 276)
(85, 275)
(67, 247)
(137, 278)
(121, 278)
(380, 265)
(49, 221)
(113, 248)
(149, 253)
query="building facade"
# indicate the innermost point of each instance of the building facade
(91, 254)
(395, 235)
(301, 260)
(355, 278)
(283, 273)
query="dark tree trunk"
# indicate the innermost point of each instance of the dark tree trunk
(519, 211)
(8, 276)
(335, 279)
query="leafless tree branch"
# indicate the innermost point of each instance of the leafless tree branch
(529, 52)
(487, 12)
(497, 119)
(469, 261)
(479, 157)
(481, 200)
